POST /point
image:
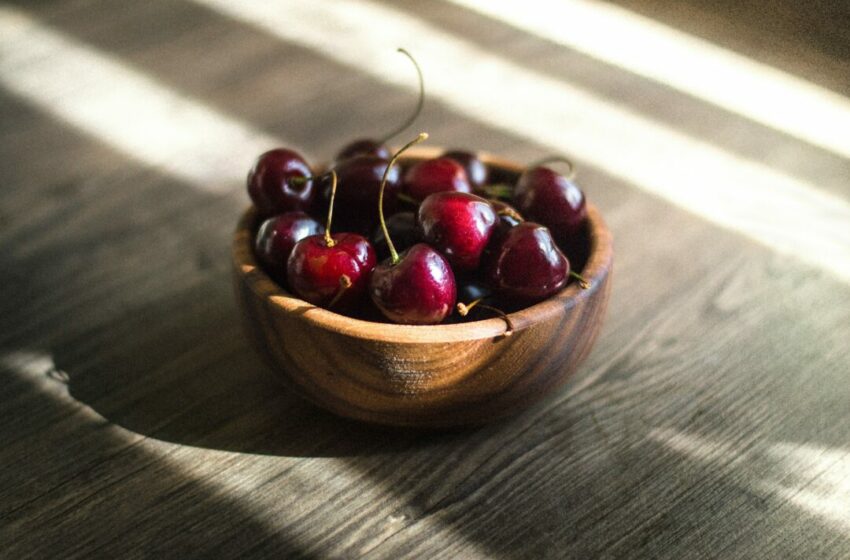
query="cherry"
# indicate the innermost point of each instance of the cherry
(459, 225)
(331, 275)
(527, 265)
(278, 235)
(476, 171)
(553, 200)
(418, 286)
(331, 270)
(403, 228)
(435, 175)
(359, 189)
(418, 289)
(378, 148)
(279, 181)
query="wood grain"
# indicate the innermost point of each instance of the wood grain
(710, 421)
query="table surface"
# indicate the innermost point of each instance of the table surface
(712, 419)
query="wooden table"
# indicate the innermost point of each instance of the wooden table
(711, 420)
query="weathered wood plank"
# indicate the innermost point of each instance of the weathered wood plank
(710, 421)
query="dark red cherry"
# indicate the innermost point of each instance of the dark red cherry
(280, 181)
(476, 171)
(553, 200)
(459, 225)
(358, 190)
(419, 289)
(435, 175)
(418, 286)
(527, 266)
(334, 275)
(278, 235)
(364, 147)
(404, 231)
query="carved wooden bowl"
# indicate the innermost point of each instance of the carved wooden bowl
(425, 376)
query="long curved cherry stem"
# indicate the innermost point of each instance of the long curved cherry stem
(344, 284)
(393, 253)
(571, 167)
(464, 308)
(328, 239)
(582, 281)
(412, 118)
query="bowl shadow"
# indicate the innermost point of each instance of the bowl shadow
(196, 381)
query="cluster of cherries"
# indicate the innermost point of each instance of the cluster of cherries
(454, 242)
(416, 239)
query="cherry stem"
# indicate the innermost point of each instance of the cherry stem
(412, 118)
(344, 284)
(465, 308)
(393, 253)
(582, 281)
(328, 239)
(571, 171)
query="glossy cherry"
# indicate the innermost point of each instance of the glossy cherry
(404, 231)
(331, 270)
(359, 189)
(476, 172)
(416, 287)
(280, 181)
(278, 235)
(553, 200)
(335, 276)
(527, 266)
(459, 225)
(435, 175)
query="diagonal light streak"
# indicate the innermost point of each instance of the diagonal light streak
(125, 108)
(699, 68)
(786, 214)
(814, 478)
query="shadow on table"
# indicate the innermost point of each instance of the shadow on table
(192, 379)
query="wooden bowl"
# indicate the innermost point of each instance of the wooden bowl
(424, 376)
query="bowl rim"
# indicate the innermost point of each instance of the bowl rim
(595, 271)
